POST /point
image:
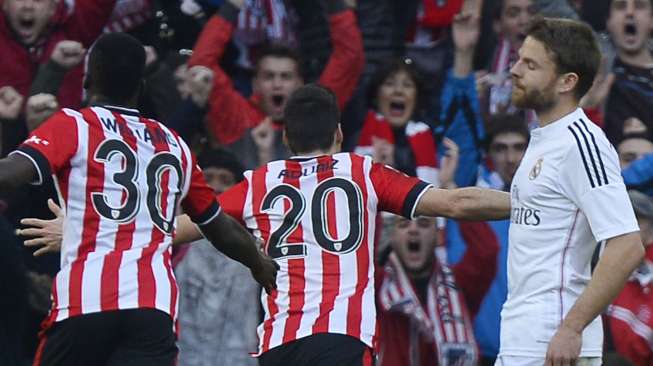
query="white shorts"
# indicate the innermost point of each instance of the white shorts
(539, 361)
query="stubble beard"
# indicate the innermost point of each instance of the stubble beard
(537, 100)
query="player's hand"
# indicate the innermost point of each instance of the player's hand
(265, 273)
(10, 103)
(38, 108)
(448, 164)
(68, 54)
(564, 347)
(45, 234)
(200, 84)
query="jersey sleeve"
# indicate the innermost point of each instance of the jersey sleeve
(591, 178)
(232, 200)
(51, 146)
(200, 203)
(397, 192)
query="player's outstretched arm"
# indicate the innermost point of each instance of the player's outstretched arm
(621, 256)
(468, 203)
(15, 171)
(229, 237)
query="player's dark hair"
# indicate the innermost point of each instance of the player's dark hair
(573, 46)
(223, 159)
(505, 123)
(116, 65)
(311, 118)
(278, 50)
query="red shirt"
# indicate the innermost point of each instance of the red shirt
(19, 63)
(230, 114)
(630, 317)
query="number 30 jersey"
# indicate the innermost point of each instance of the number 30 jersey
(120, 178)
(317, 217)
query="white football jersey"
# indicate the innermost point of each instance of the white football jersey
(567, 195)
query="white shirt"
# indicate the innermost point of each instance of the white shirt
(566, 196)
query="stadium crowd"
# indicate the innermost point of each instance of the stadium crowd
(423, 85)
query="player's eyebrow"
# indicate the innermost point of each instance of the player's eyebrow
(530, 60)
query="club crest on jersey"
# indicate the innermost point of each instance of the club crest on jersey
(536, 170)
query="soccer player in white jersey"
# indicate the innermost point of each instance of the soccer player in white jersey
(120, 179)
(566, 196)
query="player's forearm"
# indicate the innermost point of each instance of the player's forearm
(230, 238)
(621, 256)
(478, 204)
(15, 171)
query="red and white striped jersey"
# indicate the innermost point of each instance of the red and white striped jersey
(120, 178)
(316, 217)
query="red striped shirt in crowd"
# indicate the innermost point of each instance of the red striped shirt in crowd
(316, 216)
(120, 178)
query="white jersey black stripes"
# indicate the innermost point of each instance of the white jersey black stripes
(566, 196)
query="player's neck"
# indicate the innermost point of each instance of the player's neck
(642, 59)
(319, 152)
(561, 109)
(99, 99)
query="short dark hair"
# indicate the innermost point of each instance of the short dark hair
(311, 118)
(278, 50)
(574, 48)
(116, 65)
(392, 67)
(223, 159)
(505, 123)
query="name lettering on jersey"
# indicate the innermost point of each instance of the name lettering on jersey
(525, 216)
(144, 134)
(319, 168)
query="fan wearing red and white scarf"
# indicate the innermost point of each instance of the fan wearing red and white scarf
(377, 130)
(443, 321)
(425, 308)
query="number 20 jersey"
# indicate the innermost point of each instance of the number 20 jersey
(120, 178)
(317, 217)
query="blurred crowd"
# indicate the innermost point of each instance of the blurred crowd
(423, 85)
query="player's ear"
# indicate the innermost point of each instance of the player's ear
(338, 137)
(284, 137)
(568, 82)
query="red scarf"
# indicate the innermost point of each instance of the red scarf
(444, 320)
(420, 139)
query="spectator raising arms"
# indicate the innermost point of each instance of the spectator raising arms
(232, 117)
(29, 32)
(630, 23)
